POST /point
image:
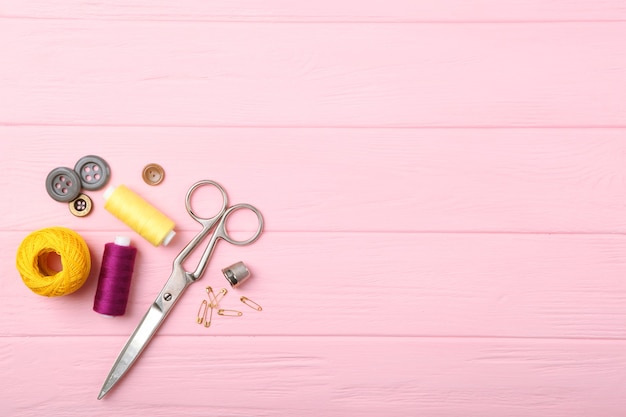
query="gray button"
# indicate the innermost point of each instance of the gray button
(63, 184)
(94, 172)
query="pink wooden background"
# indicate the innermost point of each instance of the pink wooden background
(443, 183)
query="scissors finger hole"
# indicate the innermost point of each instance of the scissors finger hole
(243, 224)
(206, 201)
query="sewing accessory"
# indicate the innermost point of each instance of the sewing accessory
(212, 304)
(34, 256)
(204, 306)
(236, 274)
(114, 281)
(210, 293)
(153, 174)
(250, 303)
(229, 313)
(81, 206)
(94, 172)
(213, 230)
(216, 298)
(212, 297)
(207, 322)
(63, 184)
(139, 215)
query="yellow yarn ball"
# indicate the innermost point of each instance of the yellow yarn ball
(32, 261)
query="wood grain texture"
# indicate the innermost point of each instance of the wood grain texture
(486, 323)
(442, 184)
(76, 72)
(322, 10)
(309, 376)
(353, 180)
(357, 284)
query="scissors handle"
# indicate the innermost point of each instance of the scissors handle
(223, 232)
(220, 232)
(216, 224)
(190, 210)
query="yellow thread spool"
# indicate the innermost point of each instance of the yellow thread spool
(32, 261)
(139, 215)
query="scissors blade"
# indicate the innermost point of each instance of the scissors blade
(148, 326)
(135, 345)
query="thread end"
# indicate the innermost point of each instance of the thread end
(109, 192)
(122, 241)
(169, 238)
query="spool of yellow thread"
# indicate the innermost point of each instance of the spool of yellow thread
(139, 215)
(32, 261)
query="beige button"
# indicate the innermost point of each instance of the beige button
(153, 174)
(81, 206)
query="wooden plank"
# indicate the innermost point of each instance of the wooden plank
(75, 72)
(354, 180)
(322, 10)
(386, 284)
(312, 376)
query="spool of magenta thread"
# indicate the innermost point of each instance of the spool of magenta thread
(116, 272)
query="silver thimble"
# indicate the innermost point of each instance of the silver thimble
(236, 274)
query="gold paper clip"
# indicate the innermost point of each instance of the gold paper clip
(202, 315)
(229, 313)
(250, 303)
(215, 299)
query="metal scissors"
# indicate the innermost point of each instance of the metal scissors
(180, 279)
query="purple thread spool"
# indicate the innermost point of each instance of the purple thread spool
(115, 276)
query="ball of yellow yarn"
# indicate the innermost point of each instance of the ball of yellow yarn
(32, 261)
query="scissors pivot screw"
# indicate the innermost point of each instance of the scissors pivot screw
(167, 296)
